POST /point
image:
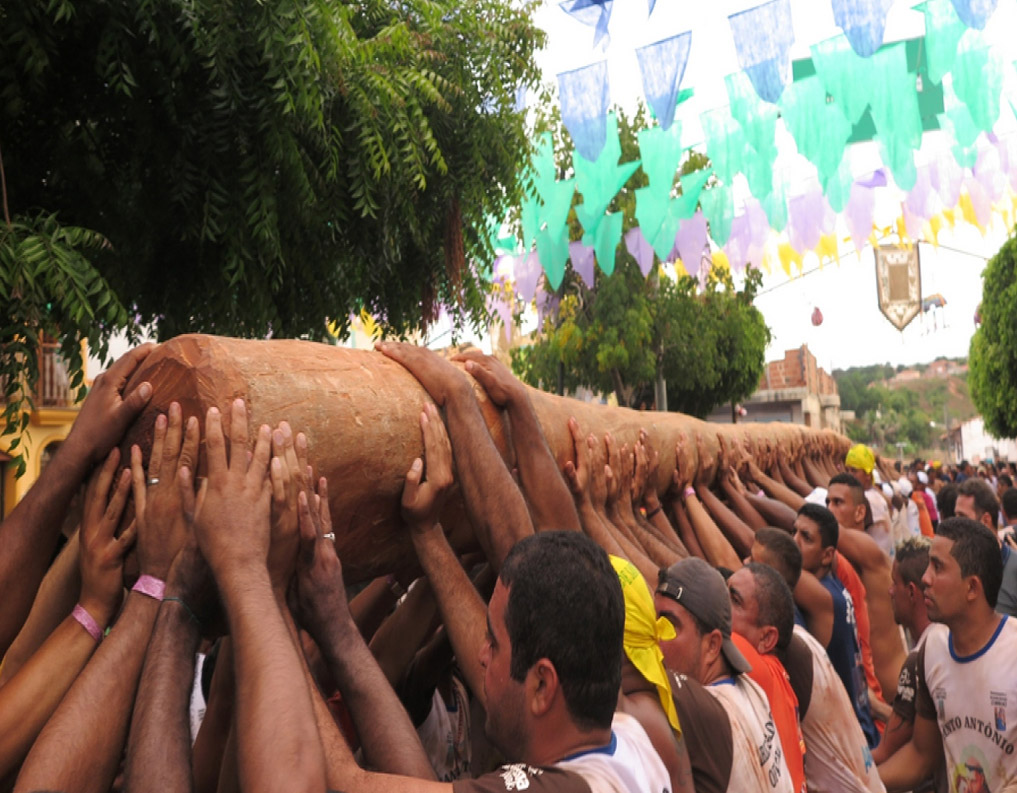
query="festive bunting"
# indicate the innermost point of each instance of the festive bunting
(819, 128)
(809, 218)
(894, 107)
(788, 256)
(496, 304)
(592, 13)
(863, 22)
(758, 121)
(662, 65)
(692, 186)
(763, 37)
(600, 180)
(943, 31)
(718, 208)
(974, 13)
(553, 250)
(527, 274)
(989, 173)
(639, 249)
(837, 188)
(725, 143)
(946, 176)
(845, 76)
(530, 219)
(959, 125)
(608, 236)
(749, 231)
(978, 80)
(775, 206)
(920, 203)
(691, 242)
(826, 248)
(584, 96)
(582, 261)
(858, 214)
(658, 222)
(660, 152)
(547, 305)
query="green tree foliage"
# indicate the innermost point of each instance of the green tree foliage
(258, 167)
(993, 354)
(618, 337)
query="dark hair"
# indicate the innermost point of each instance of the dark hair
(946, 500)
(985, 498)
(857, 491)
(829, 531)
(565, 604)
(1010, 503)
(912, 556)
(776, 603)
(976, 550)
(1004, 479)
(786, 553)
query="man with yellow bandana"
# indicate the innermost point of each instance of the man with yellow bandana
(645, 690)
(860, 462)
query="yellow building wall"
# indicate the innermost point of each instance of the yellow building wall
(48, 425)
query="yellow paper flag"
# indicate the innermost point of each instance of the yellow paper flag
(788, 254)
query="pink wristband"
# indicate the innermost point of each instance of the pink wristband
(151, 586)
(690, 491)
(87, 621)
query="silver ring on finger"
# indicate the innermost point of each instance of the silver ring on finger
(153, 480)
(329, 536)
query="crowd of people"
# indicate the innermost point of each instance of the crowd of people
(797, 617)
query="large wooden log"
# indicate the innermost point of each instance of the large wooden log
(360, 412)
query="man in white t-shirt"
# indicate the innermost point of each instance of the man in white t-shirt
(860, 463)
(966, 695)
(694, 598)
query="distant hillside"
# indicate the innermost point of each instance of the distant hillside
(905, 404)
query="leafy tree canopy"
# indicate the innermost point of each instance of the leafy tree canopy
(993, 354)
(258, 167)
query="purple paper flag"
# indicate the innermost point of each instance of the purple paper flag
(990, 173)
(737, 245)
(749, 231)
(809, 218)
(690, 243)
(946, 177)
(912, 223)
(875, 179)
(501, 307)
(582, 261)
(528, 270)
(547, 304)
(639, 249)
(921, 201)
(980, 201)
(859, 212)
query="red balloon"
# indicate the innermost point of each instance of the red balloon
(817, 317)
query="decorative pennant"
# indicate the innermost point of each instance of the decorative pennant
(584, 96)
(684, 205)
(639, 249)
(775, 206)
(582, 261)
(827, 248)
(974, 13)
(978, 80)
(763, 37)
(600, 180)
(660, 152)
(527, 274)
(809, 218)
(592, 13)
(496, 304)
(659, 224)
(530, 219)
(943, 31)
(819, 128)
(990, 173)
(975, 205)
(758, 121)
(718, 208)
(845, 76)
(920, 202)
(959, 125)
(662, 65)
(837, 188)
(608, 236)
(691, 242)
(749, 231)
(863, 22)
(946, 177)
(725, 143)
(894, 107)
(547, 305)
(899, 283)
(553, 250)
(788, 256)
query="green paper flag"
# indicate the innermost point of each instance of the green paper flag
(837, 188)
(661, 153)
(978, 79)
(530, 210)
(775, 206)
(943, 31)
(718, 207)
(819, 128)
(725, 143)
(757, 118)
(847, 77)
(553, 252)
(658, 222)
(606, 241)
(600, 181)
(894, 108)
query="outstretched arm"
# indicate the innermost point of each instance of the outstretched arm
(579, 475)
(29, 534)
(494, 503)
(546, 491)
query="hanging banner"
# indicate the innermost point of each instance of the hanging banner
(899, 283)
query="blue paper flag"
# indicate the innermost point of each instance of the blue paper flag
(975, 13)
(592, 13)
(584, 98)
(763, 37)
(863, 22)
(662, 65)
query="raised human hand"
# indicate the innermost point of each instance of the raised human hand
(190, 580)
(289, 477)
(101, 553)
(704, 468)
(685, 465)
(578, 472)
(438, 377)
(612, 469)
(502, 388)
(233, 527)
(598, 472)
(423, 498)
(158, 505)
(106, 413)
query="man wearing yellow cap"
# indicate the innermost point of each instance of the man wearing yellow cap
(860, 462)
(645, 690)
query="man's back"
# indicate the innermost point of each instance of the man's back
(837, 758)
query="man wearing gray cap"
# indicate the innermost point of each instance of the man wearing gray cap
(732, 739)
